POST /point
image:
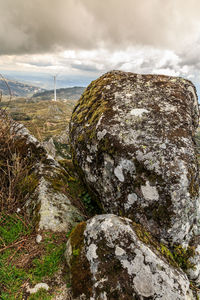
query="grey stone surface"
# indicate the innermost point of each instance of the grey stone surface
(121, 266)
(37, 287)
(132, 140)
(49, 208)
(50, 147)
(58, 145)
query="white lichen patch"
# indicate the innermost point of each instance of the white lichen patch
(132, 198)
(124, 164)
(127, 165)
(128, 265)
(106, 224)
(169, 107)
(119, 251)
(99, 122)
(102, 280)
(89, 159)
(145, 288)
(138, 112)
(101, 134)
(37, 287)
(183, 173)
(118, 171)
(149, 192)
(91, 253)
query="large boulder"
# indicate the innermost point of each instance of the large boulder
(132, 141)
(112, 258)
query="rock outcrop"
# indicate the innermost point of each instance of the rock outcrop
(132, 141)
(58, 146)
(48, 206)
(110, 259)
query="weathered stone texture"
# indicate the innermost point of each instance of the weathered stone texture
(132, 141)
(48, 207)
(120, 265)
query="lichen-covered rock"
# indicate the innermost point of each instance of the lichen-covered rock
(108, 261)
(50, 147)
(47, 204)
(58, 146)
(132, 141)
(51, 209)
(194, 273)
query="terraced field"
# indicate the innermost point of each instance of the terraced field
(44, 119)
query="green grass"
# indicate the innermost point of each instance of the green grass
(15, 238)
(49, 263)
(41, 294)
(12, 228)
(11, 278)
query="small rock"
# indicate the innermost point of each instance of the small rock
(50, 147)
(37, 287)
(38, 238)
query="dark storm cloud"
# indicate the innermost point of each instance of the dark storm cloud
(84, 67)
(38, 26)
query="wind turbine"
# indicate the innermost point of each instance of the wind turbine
(54, 77)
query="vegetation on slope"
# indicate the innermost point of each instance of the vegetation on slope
(18, 88)
(24, 262)
(72, 93)
(44, 119)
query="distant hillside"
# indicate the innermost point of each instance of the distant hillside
(18, 88)
(72, 93)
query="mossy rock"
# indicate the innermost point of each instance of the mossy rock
(132, 144)
(79, 266)
(113, 258)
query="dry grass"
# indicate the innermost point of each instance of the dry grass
(15, 166)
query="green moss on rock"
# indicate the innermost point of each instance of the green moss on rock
(89, 109)
(177, 256)
(80, 269)
(132, 144)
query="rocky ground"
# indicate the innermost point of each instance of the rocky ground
(27, 260)
(97, 228)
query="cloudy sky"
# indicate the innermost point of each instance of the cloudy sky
(82, 39)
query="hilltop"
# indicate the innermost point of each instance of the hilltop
(17, 88)
(72, 93)
(97, 209)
